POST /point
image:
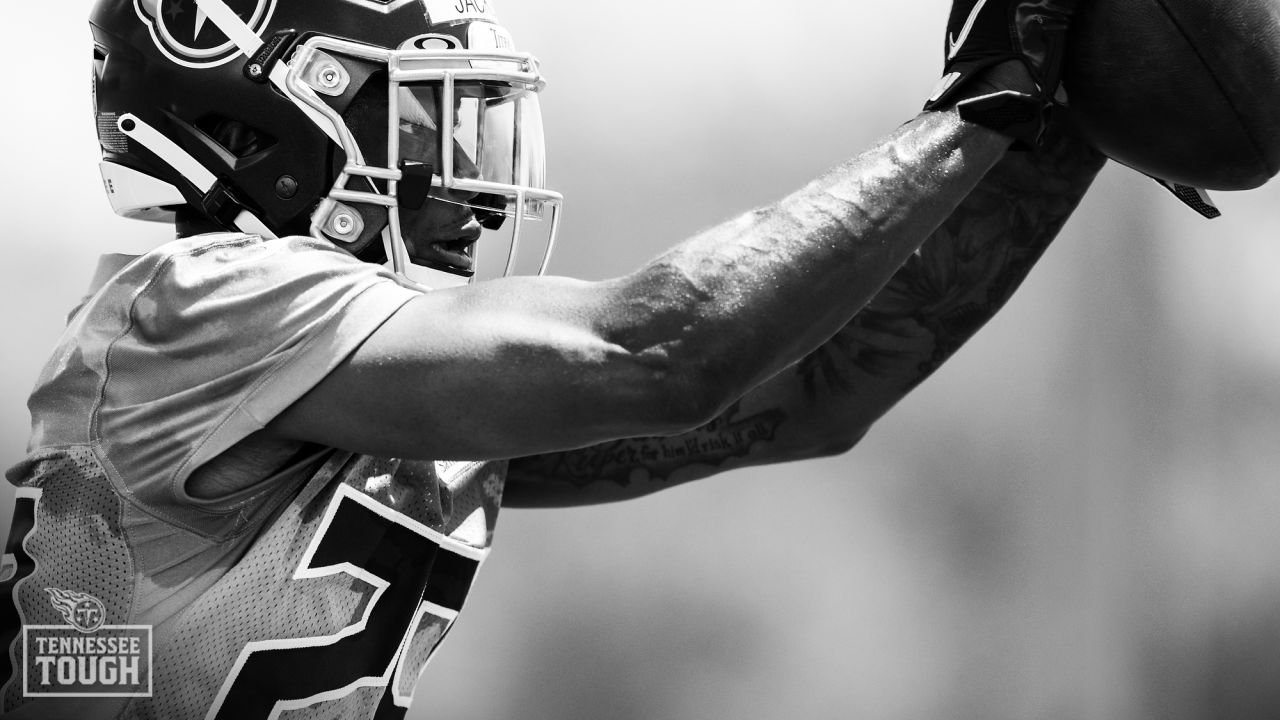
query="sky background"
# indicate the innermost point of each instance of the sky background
(1074, 519)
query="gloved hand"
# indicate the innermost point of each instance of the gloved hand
(1004, 63)
(1003, 70)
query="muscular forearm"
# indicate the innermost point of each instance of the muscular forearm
(739, 302)
(526, 365)
(963, 274)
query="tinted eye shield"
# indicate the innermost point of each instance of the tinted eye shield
(480, 150)
(480, 138)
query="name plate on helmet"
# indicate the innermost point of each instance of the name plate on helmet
(443, 11)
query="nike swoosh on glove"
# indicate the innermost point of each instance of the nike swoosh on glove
(1003, 63)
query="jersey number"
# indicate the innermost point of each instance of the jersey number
(407, 564)
(17, 564)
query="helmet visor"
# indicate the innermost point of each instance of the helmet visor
(485, 139)
(472, 159)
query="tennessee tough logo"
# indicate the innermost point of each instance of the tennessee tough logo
(185, 34)
(89, 658)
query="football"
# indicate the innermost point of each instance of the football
(1184, 90)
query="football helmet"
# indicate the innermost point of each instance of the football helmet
(406, 131)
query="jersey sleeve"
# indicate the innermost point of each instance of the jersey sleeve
(209, 340)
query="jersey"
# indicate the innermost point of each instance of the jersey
(319, 589)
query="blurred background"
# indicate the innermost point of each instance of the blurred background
(1074, 519)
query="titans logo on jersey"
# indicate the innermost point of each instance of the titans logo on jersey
(183, 32)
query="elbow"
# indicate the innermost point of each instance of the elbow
(699, 397)
(680, 376)
(682, 394)
(831, 441)
(838, 443)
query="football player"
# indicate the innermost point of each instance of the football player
(266, 462)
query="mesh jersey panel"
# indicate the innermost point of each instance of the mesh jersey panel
(319, 586)
(79, 545)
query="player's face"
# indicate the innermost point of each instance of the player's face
(445, 228)
(488, 136)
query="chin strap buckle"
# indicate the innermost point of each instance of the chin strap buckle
(221, 205)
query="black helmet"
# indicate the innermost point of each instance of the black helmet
(339, 119)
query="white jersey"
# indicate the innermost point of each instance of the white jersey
(319, 591)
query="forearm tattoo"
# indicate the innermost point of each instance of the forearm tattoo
(961, 276)
(655, 458)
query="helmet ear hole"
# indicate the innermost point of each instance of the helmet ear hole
(99, 61)
(239, 139)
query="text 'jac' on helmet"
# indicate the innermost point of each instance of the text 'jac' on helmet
(412, 122)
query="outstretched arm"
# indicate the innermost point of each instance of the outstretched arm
(822, 405)
(522, 365)
(526, 366)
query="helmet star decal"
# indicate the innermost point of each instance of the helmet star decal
(183, 32)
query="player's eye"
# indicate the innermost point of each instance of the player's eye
(417, 141)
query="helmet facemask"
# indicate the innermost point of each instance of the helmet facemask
(449, 170)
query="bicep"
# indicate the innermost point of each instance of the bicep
(492, 370)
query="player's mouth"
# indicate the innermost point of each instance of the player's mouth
(457, 252)
(442, 235)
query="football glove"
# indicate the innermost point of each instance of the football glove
(1004, 63)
